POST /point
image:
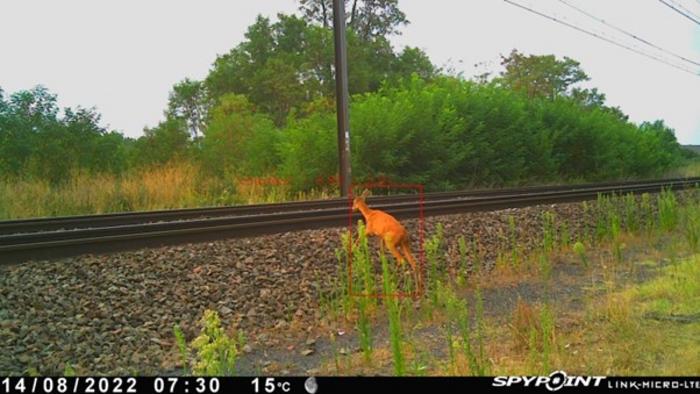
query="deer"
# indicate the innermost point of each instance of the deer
(389, 231)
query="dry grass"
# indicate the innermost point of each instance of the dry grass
(172, 186)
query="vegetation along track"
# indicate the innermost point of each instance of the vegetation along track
(22, 240)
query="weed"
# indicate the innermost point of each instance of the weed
(691, 228)
(433, 249)
(580, 251)
(549, 232)
(182, 347)
(476, 256)
(668, 210)
(647, 213)
(394, 314)
(631, 213)
(514, 247)
(464, 269)
(216, 352)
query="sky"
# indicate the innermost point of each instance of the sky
(123, 57)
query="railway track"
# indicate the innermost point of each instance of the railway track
(36, 239)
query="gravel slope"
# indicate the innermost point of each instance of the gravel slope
(114, 314)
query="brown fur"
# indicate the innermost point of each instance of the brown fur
(389, 231)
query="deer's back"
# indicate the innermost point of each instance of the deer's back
(380, 223)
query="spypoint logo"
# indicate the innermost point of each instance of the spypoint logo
(557, 380)
(554, 382)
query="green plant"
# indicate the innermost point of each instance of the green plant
(691, 227)
(647, 213)
(481, 363)
(393, 310)
(362, 261)
(463, 267)
(182, 347)
(433, 249)
(549, 232)
(458, 312)
(68, 370)
(476, 256)
(580, 251)
(514, 247)
(631, 213)
(668, 210)
(547, 324)
(364, 327)
(614, 232)
(216, 352)
(565, 235)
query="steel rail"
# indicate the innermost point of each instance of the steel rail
(49, 245)
(116, 219)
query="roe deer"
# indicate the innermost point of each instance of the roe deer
(390, 232)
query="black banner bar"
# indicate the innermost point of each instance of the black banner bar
(557, 381)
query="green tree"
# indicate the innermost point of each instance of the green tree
(169, 140)
(239, 140)
(540, 76)
(367, 18)
(189, 101)
(283, 66)
(36, 140)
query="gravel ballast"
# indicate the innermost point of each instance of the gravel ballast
(114, 314)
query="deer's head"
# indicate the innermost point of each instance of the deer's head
(359, 200)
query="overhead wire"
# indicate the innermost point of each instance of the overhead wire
(677, 7)
(636, 37)
(600, 37)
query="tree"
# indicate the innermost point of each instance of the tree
(189, 101)
(285, 65)
(376, 18)
(413, 60)
(239, 140)
(169, 140)
(367, 18)
(38, 141)
(540, 76)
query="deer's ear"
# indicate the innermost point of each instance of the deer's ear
(365, 193)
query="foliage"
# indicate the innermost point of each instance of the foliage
(189, 101)
(37, 141)
(367, 18)
(239, 140)
(266, 109)
(542, 76)
(283, 66)
(452, 133)
(217, 353)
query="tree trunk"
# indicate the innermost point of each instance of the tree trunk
(352, 14)
(325, 13)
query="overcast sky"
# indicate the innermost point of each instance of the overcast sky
(124, 56)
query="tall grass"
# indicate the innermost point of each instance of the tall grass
(668, 210)
(393, 311)
(362, 264)
(175, 185)
(433, 250)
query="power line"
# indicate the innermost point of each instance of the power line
(602, 38)
(685, 14)
(628, 33)
(685, 9)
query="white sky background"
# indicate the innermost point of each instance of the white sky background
(124, 56)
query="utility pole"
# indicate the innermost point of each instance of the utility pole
(341, 96)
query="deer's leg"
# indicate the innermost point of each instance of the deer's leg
(391, 244)
(381, 245)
